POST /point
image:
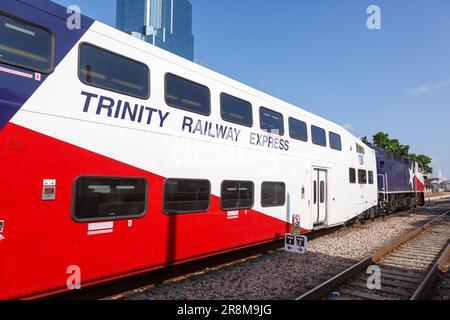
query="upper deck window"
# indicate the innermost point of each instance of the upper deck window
(359, 149)
(25, 45)
(110, 71)
(298, 130)
(271, 121)
(236, 110)
(318, 136)
(187, 95)
(335, 141)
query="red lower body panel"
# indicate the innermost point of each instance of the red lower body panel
(41, 240)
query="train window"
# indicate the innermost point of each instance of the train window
(318, 136)
(187, 95)
(359, 149)
(298, 130)
(362, 176)
(335, 141)
(352, 175)
(271, 121)
(109, 198)
(236, 110)
(237, 195)
(26, 45)
(273, 194)
(370, 177)
(322, 191)
(186, 196)
(110, 71)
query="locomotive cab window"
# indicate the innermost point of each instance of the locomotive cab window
(318, 136)
(352, 173)
(271, 121)
(25, 45)
(236, 110)
(298, 130)
(362, 176)
(186, 196)
(187, 95)
(109, 198)
(107, 70)
(335, 141)
(273, 194)
(237, 195)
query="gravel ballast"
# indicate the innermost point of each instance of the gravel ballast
(282, 275)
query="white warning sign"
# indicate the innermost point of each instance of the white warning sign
(295, 243)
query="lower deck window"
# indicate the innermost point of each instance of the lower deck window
(273, 194)
(352, 173)
(186, 196)
(370, 177)
(362, 176)
(237, 195)
(109, 198)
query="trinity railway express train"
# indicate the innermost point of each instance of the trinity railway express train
(118, 157)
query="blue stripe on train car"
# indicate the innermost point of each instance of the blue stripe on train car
(15, 87)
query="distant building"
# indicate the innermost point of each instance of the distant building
(164, 23)
(437, 185)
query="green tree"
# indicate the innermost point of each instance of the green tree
(381, 140)
(425, 162)
(365, 140)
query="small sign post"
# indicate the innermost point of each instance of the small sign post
(294, 242)
(296, 224)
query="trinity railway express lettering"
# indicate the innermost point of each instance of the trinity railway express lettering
(120, 109)
(269, 142)
(124, 110)
(209, 129)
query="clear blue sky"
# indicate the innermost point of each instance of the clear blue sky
(320, 56)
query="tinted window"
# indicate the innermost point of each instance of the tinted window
(359, 149)
(25, 45)
(107, 70)
(237, 195)
(184, 196)
(273, 194)
(100, 198)
(362, 176)
(271, 121)
(236, 110)
(298, 130)
(370, 177)
(318, 136)
(335, 141)
(187, 95)
(352, 175)
(315, 192)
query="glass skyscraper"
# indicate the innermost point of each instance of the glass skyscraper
(164, 23)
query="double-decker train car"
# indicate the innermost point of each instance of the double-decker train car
(400, 182)
(118, 158)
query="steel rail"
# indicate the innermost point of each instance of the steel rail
(329, 285)
(431, 276)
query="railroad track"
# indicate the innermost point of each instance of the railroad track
(120, 288)
(406, 268)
